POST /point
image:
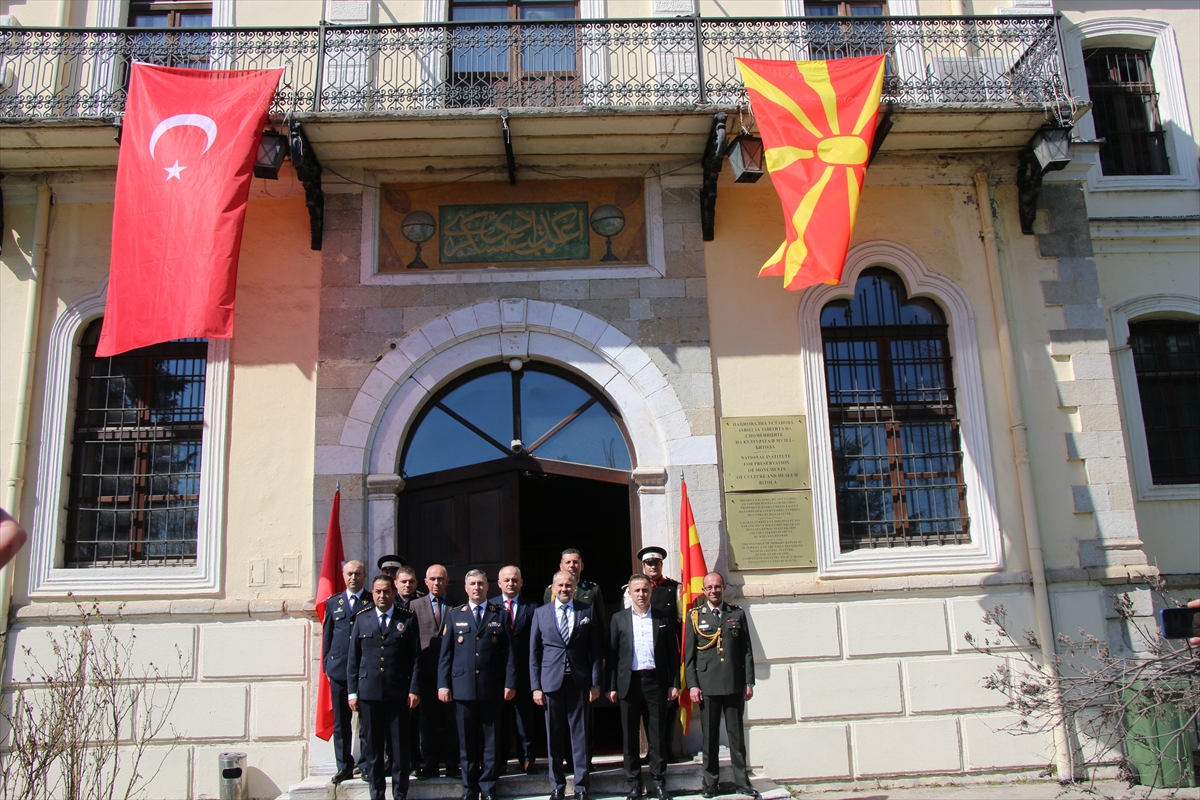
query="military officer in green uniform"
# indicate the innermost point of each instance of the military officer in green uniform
(719, 666)
(585, 591)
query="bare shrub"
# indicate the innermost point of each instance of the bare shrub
(81, 724)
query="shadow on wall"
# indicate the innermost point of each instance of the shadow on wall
(261, 785)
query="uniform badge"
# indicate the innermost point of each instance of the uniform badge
(460, 640)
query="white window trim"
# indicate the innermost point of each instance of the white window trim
(985, 552)
(46, 576)
(369, 274)
(1172, 99)
(1159, 306)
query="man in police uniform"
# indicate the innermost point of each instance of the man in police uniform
(664, 593)
(383, 696)
(719, 666)
(340, 611)
(477, 672)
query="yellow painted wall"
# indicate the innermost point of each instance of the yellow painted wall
(273, 375)
(755, 337)
(275, 13)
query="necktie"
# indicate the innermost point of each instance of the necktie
(437, 612)
(353, 603)
(478, 616)
(564, 627)
(383, 623)
(512, 614)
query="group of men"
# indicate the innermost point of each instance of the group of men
(436, 684)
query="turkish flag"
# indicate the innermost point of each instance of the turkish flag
(188, 143)
(330, 583)
(817, 120)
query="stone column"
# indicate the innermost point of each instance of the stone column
(382, 503)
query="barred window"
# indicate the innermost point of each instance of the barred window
(1166, 358)
(135, 474)
(1125, 111)
(897, 455)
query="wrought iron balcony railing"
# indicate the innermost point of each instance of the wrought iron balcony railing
(989, 62)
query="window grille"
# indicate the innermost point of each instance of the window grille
(1125, 111)
(135, 476)
(897, 454)
(1166, 358)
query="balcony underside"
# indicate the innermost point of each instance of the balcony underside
(617, 141)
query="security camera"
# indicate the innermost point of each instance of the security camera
(517, 447)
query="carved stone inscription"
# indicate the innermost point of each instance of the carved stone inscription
(764, 453)
(514, 232)
(771, 530)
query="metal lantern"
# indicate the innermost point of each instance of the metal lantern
(417, 227)
(746, 158)
(1051, 147)
(272, 148)
(608, 221)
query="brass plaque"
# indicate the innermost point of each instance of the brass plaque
(764, 453)
(771, 530)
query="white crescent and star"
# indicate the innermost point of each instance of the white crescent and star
(200, 121)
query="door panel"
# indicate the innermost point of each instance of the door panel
(468, 524)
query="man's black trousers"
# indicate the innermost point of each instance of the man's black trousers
(477, 723)
(712, 709)
(385, 728)
(343, 726)
(645, 703)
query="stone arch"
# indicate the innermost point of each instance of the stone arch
(499, 330)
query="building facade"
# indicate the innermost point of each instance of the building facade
(532, 307)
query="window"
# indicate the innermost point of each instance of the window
(135, 477)
(1125, 112)
(897, 460)
(170, 15)
(503, 64)
(172, 49)
(1166, 359)
(551, 414)
(831, 40)
(844, 8)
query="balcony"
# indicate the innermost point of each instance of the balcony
(382, 95)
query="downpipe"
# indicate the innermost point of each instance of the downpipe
(1002, 314)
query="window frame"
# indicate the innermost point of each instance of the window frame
(1130, 92)
(1145, 309)
(985, 552)
(47, 576)
(173, 9)
(1158, 38)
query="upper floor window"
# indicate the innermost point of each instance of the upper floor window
(844, 8)
(135, 473)
(894, 427)
(1125, 112)
(1166, 359)
(170, 15)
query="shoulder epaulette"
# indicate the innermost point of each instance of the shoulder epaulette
(466, 607)
(733, 607)
(493, 607)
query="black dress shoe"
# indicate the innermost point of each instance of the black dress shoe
(454, 772)
(635, 793)
(712, 790)
(343, 776)
(749, 791)
(662, 794)
(581, 794)
(556, 794)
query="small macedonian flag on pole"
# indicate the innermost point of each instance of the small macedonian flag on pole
(817, 121)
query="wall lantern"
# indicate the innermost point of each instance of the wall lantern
(1051, 146)
(608, 221)
(746, 158)
(272, 148)
(417, 227)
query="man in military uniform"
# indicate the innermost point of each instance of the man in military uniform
(719, 666)
(664, 593)
(585, 591)
(477, 672)
(383, 696)
(340, 611)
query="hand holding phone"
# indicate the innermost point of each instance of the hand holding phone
(1181, 623)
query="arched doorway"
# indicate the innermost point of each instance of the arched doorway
(511, 466)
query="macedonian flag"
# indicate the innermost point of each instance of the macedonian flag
(817, 121)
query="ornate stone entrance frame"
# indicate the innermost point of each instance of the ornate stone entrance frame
(499, 330)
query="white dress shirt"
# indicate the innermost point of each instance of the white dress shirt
(558, 605)
(643, 640)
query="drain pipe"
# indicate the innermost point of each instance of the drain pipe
(16, 464)
(1001, 312)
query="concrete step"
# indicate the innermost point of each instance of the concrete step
(608, 781)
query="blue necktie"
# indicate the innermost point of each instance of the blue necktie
(478, 616)
(564, 627)
(383, 621)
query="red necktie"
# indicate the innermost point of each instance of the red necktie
(512, 616)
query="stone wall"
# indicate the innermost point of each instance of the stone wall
(666, 317)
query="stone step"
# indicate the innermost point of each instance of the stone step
(608, 781)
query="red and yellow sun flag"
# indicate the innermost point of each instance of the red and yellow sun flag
(691, 585)
(817, 121)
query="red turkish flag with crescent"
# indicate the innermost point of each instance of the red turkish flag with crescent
(188, 143)
(817, 120)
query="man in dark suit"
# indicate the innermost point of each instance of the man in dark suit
(388, 637)
(719, 665)
(406, 593)
(340, 611)
(477, 674)
(645, 676)
(439, 733)
(521, 717)
(565, 674)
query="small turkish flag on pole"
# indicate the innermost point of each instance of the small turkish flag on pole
(188, 143)
(330, 583)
